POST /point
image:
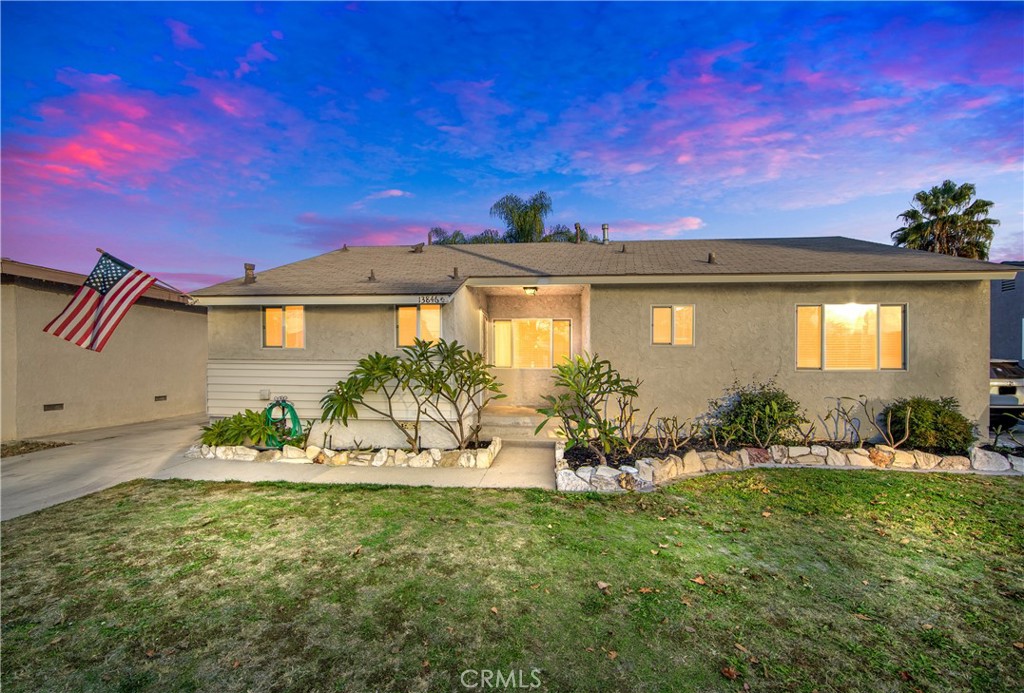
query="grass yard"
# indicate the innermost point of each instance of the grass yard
(780, 580)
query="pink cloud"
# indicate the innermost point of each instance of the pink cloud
(108, 136)
(256, 53)
(640, 229)
(381, 195)
(326, 233)
(181, 35)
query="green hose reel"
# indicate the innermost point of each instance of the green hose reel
(281, 415)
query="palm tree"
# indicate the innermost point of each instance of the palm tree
(947, 220)
(439, 236)
(524, 219)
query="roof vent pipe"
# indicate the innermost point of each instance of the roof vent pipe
(604, 233)
(712, 260)
(455, 274)
(250, 273)
(373, 277)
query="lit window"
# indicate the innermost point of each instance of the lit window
(531, 343)
(418, 322)
(672, 325)
(851, 337)
(284, 327)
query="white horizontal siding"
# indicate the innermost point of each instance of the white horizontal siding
(234, 385)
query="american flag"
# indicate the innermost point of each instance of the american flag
(99, 305)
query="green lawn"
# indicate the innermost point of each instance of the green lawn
(789, 580)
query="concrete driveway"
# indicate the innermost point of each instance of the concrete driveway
(105, 457)
(100, 458)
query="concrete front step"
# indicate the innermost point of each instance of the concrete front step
(517, 432)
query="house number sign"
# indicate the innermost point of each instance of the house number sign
(436, 299)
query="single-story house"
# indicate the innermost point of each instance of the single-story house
(824, 317)
(153, 367)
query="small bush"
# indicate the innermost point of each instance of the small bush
(935, 425)
(247, 426)
(596, 407)
(760, 414)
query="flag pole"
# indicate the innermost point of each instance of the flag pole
(190, 297)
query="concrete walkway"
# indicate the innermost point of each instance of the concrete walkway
(104, 457)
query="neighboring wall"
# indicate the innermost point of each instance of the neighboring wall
(159, 349)
(746, 332)
(1008, 318)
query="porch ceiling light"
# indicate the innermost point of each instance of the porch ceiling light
(530, 290)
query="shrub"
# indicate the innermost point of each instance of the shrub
(596, 407)
(758, 414)
(448, 384)
(247, 426)
(934, 425)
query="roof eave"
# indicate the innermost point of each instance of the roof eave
(738, 278)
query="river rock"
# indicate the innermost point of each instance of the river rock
(568, 480)
(926, 460)
(954, 463)
(988, 461)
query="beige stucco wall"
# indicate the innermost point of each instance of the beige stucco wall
(462, 319)
(334, 332)
(746, 332)
(155, 351)
(526, 386)
(9, 361)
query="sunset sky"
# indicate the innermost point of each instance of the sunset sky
(188, 138)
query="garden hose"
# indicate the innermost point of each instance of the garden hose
(287, 422)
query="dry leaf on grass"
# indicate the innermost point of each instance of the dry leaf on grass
(1019, 645)
(612, 654)
(604, 587)
(356, 551)
(730, 673)
(863, 617)
(494, 610)
(766, 514)
(699, 580)
(742, 649)
(645, 590)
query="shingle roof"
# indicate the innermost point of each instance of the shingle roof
(73, 280)
(399, 270)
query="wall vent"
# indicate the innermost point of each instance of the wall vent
(54, 407)
(160, 398)
(1009, 284)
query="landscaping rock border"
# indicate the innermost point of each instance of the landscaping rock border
(650, 472)
(384, 457)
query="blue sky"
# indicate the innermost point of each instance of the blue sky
(188, 138)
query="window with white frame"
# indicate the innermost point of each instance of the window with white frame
(418, 322)
(531, 342)
(851, 337)
(284, 327)
(672, 325)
